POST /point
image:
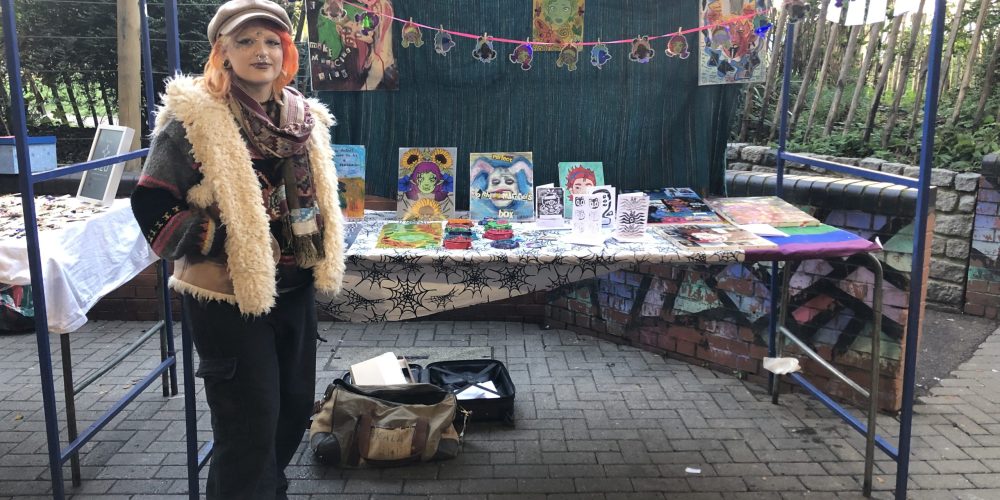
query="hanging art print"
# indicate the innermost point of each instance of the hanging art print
(426, 187)
(351, 48)
(559, 22)
(734, 51)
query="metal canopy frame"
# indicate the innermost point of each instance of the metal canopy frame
(918, 285)
(26, 181)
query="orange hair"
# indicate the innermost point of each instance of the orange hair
(218, 79)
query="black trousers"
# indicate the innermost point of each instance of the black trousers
(260, 383)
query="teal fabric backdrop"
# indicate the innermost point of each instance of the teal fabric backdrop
(651, 124)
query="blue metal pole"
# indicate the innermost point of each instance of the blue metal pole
(917, 285)
(20, 129)
(772, 326)
(173, 35)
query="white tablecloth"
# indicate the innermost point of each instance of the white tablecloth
(81, 262)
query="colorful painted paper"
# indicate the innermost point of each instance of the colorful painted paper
(714, 236)
(350, 162)
(736, 52)
(426, 184)
(559, 22)
(416, 235)
(679, 206)
(761, 210)
(501, 185)
(351, 49)
(576, 177)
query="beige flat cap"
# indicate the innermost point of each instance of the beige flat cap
(236, 12)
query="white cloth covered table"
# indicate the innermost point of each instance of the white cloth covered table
(82, 261)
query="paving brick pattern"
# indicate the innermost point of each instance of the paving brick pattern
(594, 420)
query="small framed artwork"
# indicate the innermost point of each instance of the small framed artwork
(100, 184)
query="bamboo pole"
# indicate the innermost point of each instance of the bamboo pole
(963, 87)
(60, 109)
(890, 123)
(987, 82)
(806, 75)
(883, 77)
(874, 40)
(949, 48)
(821, 78)
(90, 102)
(776, 58)
(845, 70)
(130, 73)
(918, 96)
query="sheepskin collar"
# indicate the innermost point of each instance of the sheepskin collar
(229, 181)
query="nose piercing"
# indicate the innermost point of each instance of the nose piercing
(261, 58)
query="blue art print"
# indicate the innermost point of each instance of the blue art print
(501, 186)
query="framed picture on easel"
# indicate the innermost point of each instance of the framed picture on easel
(100, 184)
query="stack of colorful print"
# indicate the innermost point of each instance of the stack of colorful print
(426, 189)
(414, 235)
(501, 185)
(679, 206)
(711, 237)
(350, 162)
(575, 177)
(769, 210)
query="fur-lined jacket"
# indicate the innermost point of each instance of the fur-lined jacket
(203, 202)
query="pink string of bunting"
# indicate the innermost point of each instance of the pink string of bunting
(733, 20)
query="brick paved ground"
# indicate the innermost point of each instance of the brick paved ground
(594, 421)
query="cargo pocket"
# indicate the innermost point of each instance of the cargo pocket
(222, 390)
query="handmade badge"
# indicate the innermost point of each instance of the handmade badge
(599, 55)
(443, 41)
(484, 52)
(641, 51)
(412, 35)
(522, 55)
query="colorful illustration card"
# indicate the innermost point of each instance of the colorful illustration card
(416, 235)
(350, 48)
(769, 210)
(549, 207)
(737, 51)
(607, 194)
(576, 177)
(350, 162)
(711, 236)
(630, 220)
(501, 185)
(426, 184)
(559, 22)
(681, 206)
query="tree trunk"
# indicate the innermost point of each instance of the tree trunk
(90, 102)
(890, 123)
(991, 69)
(883, 76)
(6, 104)
(949, 48)
(845, 70)
(68, 82)
(918, 92)
(807, 74)
(39, 100)
(776, 61)
(970, 63)
(60, 109)
(874, 39)
(109, 111)
(831, 42)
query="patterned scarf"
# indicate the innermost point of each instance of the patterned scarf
(287, 140)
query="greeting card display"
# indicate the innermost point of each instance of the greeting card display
(576, 177)
(630, 220)
(426, 189)
(586, 214)
(607, 194)
(501, 185)
(762, 210)
(350, 162)
(549, 207)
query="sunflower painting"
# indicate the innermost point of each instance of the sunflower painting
(558, 22)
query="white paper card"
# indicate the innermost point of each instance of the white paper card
(380, 370)
(477, 391)
(855, 12)
(833, 13)
(876, 11)
(762, 229)
(607, 194)
(631, 217)
(904, 6)
(586, 214)
(549, 207)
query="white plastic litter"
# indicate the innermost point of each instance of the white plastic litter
(781, 366)
(693, 470)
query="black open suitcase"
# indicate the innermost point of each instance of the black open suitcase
(456, 376)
